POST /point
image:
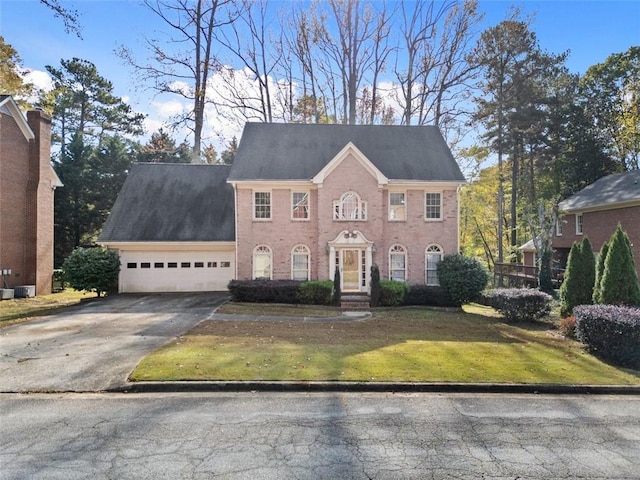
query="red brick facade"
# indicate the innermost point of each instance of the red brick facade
(27, 184)
(326, 237)
(599, 225)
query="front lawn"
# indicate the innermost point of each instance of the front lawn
(17, 310)
(410, 345)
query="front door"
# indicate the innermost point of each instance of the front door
(351, 270)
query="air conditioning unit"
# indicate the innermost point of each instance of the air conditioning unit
(25, 291)
(6, 293)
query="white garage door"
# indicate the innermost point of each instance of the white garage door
(180, 271)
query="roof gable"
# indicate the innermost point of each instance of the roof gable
(286, 152)
(10, 107)
(613, 191)
(173, 203)
(350, 149)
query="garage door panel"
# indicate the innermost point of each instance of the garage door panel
(184, 271)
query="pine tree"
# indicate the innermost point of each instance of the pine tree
(619, 283)
(599, 271)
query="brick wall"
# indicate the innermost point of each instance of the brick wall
(26, 203)
(599, 226)
(282, 233)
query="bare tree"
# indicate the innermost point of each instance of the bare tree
(69, 16)
(185, 70)
(434, 78)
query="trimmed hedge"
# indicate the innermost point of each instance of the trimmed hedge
(521, 304)
(612, 332)
(430, 295)
(392, 293)
(265, 291)
(317, 292)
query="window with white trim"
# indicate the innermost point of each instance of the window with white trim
(397, 202)
(350, 207)
(300, 256)
(300, 205)
(432, 206)
(262, 205)
(398, 263)
(433, 255)
(579, 224)
(559, 223)
(262, 262)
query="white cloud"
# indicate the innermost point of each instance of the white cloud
(168, 109)
(41, 80)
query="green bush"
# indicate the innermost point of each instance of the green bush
(317, 292)
(337, 292)
(376, 292)
(392, 293)
(521, 304)
(92, 270)
(579, 277)
(265, 291)
(462, 277)
(619, 284)
(610, 331)
(431, 295)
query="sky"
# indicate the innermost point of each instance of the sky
(590, 29)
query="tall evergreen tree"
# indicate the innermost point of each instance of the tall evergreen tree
(619, 283)
(602, 257)
(579, 278)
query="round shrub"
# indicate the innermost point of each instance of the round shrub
(316, 292)
(462, 277)
(92, 270)
(610, 331)
(521, 304)
(392, 293)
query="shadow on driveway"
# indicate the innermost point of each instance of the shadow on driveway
(95, 345)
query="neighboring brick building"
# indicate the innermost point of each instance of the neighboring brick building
(596, 211)
(27, 184)
(307, 199)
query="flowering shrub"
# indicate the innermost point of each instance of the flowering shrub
(521, 304)
(610, 331)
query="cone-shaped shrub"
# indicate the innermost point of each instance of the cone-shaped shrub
(619, 285)
(544, 278)
(376, 292)
(337, 292)
(599, 271)
(579, 277)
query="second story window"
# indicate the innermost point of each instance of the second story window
(262, 205)
(579, 224)
(432, 206)
(300, 205)
(350, 207)
(397, 206)
(559, 223)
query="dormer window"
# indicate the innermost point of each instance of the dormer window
(350, 207)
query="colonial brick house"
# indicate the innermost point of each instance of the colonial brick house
(298, 202)
(596, 211)
(27, 184)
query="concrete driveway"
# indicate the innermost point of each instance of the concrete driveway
(94, 346)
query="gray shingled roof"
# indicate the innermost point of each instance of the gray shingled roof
(173, 202)
(610, 190)
(275, 151)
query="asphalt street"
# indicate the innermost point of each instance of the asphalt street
(318, 436)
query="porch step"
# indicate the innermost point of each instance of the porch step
(355, 302)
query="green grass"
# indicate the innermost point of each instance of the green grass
(413, 345)
(21, 309)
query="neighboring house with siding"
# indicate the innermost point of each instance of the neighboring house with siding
(27, 184)
(305, 200)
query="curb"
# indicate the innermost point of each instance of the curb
(375, 387)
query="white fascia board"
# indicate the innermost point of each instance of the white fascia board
(424, 184)
(272, 184)
(599, 208)
(350, 148)
(175, 246)
(14, 111)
